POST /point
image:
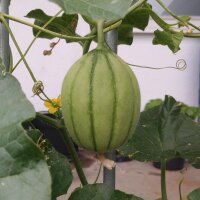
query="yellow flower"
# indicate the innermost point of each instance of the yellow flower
(53, 105)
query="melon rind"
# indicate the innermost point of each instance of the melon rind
(100, 101)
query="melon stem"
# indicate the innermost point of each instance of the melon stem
(100, 34)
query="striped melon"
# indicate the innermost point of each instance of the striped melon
(100, 101)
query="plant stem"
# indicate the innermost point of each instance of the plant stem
(192, 35)
(37, 35)
(175, 16)
(100, 34)
(17, 47)
(112, 26)
(98, 174)
(70, 146)
(163, 179)
(71, 38)
(68, 143)
(135, 6)
(87, 43)
(108, 27)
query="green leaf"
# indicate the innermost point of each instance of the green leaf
(194, 195)
(172, 40)
(100, 192)
(145, 145)
(157, 18)
(2, 67)
(164, 132)
(153, 103)
(191, 111)
(24, 173)
(65, 24)
(60, 170)
(58, 164)
(95, 9)
(138, 18)
(185, 20)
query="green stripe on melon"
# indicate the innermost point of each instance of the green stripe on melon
(100, 101)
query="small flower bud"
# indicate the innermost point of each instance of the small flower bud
(46, 52)
(53, 44)
(190, 30)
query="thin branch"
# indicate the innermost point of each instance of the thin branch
(17, 47)
(37, 35)
(71, 38)
(175, 16)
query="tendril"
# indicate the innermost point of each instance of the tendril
(180, 65)
(98, 173)
(181, 181)
(38, 87)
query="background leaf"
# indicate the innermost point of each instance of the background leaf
(164, 132)
(172, 40)
(24, 173)
(95, 9)
(2, 67)
(194, 195)
(60, 170)
(185, 19)
(65, 24)
(58, 164)
(138, 18)
(100, 192)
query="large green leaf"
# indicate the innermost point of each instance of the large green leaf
(171, 39)
(165, 133)
(65, 24)
(101, 192)
(2, 67)
(194, 195)
(58, 164)
(24, 173)
(138, 18)
(96, 9)
(60, 171)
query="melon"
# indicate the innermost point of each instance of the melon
(100, 101)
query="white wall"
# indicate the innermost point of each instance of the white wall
(183, 85)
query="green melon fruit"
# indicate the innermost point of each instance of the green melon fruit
(100, 101)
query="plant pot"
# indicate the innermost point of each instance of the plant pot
(173, 164)
(121, 158)
(52, 135)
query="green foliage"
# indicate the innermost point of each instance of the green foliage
(191, 111)
(171, 39)
(24, 173)
(100, 192)
(153, 103)
(2, 67)
(60, 170)
(58, 164)
(30, 167)
(138, 18)
(95, 9)
(194, 195)
(165, 133)
(65, 24)
(164, 25)
(185, 20)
